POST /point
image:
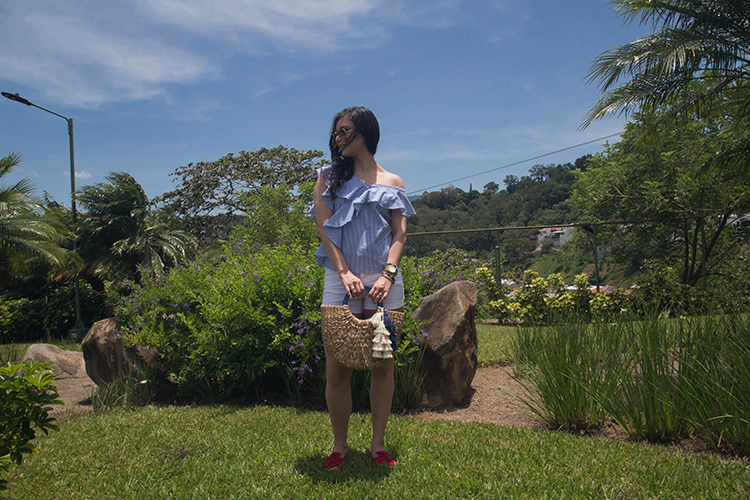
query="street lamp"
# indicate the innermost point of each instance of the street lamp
(78, 331)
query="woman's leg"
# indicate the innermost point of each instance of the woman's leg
(339, 399)
(381, 400)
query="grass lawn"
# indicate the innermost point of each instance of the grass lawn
(268, 452)
(494, 343)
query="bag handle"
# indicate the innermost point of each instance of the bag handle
(367, 289)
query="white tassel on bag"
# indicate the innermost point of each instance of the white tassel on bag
(381, 343)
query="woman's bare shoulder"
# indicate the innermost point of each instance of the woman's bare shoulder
(390, 179)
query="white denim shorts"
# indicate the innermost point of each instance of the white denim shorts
(334, 292)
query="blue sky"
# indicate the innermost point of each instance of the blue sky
(459, 87)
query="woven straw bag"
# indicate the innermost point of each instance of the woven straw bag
(349, 339)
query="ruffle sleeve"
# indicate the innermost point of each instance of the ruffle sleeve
(355, 209)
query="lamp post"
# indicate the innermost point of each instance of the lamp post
(77, 333)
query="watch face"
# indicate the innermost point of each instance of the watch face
(391, 268)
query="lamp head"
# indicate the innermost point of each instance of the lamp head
(16, 97)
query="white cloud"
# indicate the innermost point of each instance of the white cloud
(85, 53)
(80, 174)
(81, 60)
(290, 24)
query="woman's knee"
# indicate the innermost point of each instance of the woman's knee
(336, 373)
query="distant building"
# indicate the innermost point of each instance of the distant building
(559, 235)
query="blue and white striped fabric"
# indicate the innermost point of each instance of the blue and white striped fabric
(361, 222)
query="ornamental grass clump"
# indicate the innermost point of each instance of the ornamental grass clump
(551, 364)
(660, 379)
(643, 389)
(718, 381)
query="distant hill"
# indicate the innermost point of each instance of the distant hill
(539, 198)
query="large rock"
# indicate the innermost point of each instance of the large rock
(104, 351)
(107, 359)
(67, 364)
(73, 385)
(450, 360)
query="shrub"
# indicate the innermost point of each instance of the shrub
(425, 276)
(246, 322)
(26, 390)
(47, 313)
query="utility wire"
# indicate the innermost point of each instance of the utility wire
(513, 164)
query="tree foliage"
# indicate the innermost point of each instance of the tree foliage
(693, 40)
(274, 215)
(209, 194)
(690, 213)
(204, 188)
(536, 199)
(120, 237)
(27, 230)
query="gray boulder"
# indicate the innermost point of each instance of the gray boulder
(67, 364)
(450, 361)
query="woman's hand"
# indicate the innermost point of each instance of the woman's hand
(352, 284)
(380, 289)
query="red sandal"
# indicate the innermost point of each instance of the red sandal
(335, 461)
(383, 458)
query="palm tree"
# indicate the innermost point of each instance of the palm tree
(120, 238)
(27, 230)
(693, 40)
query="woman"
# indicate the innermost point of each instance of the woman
(361, 212)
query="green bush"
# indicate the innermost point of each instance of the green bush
(425, 276)
(26, 391)
(48, 312)
(233, 327)
(245, 324)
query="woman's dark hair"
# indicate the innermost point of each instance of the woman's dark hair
(366, 125)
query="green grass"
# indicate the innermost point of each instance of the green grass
(494, 343)
(266, 452)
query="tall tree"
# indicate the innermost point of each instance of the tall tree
(120, 237)
(684, 219)
(693, 40)
(216, 186)
(208, 194)
(27, 230)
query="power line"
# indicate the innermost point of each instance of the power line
(513, 164)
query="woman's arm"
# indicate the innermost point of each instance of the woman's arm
(382, 286)
(352, 284)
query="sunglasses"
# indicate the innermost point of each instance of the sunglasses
(342, 132)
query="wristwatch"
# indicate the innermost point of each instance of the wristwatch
(391, 269)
